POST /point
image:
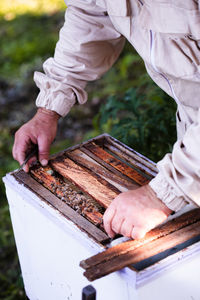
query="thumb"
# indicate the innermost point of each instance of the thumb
(43, 150)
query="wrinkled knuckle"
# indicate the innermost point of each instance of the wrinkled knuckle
(44, 153)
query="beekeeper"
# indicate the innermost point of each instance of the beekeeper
(166, 34)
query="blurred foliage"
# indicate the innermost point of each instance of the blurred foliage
(10, 9)
(125, 103)
(144, 123)
(143, 116)
(7, 164)
(11, 284)
(26, 41)
(28, 33)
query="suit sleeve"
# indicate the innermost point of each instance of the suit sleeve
(178, 180)
(88, 46)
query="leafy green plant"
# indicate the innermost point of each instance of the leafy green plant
(146, 124)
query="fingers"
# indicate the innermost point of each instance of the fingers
(134, 213)
(112, 221)
(126, 228)
(20, 149)
(130, 230)
(116, 223)
(32, 160)
(23, 144)
(40, 130)
(107, 221)
(43, 150)
(138, 232)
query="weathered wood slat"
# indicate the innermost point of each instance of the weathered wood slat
(109, 167)
(129, 159)
(46, 196)
(144, 252)
(143, 161)
(43, 175)
(186, 219)
(86, 161)
(117, 164)
(89, 182)
(86, 172)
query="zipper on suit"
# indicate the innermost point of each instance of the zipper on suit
(152, 57)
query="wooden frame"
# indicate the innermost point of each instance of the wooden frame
(81, 181)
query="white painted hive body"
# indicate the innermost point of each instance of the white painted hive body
(50, 247)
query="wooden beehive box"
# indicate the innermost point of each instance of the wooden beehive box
(82, 181)
(57, 215)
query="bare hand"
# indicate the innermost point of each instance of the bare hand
(40, 130)
(134, 213)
